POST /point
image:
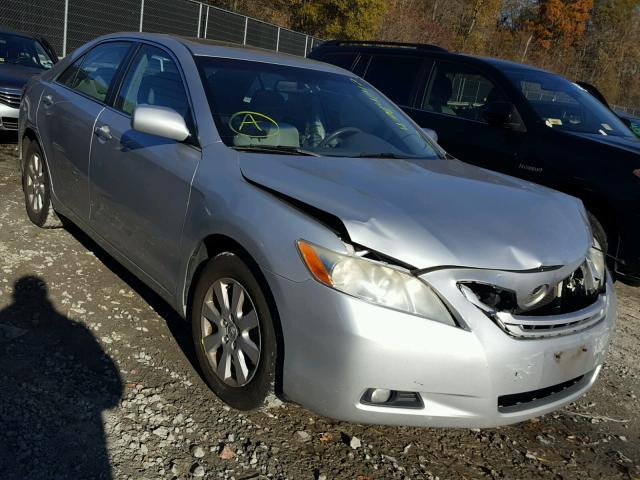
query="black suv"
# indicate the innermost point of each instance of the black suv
(518, 120)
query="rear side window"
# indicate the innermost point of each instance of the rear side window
(460, 91)
(395, 76)
(153, 79)
(93, 73)
(342, 60)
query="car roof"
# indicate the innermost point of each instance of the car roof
(20, 34)
(213, 48)
(334, 46)
(508, 64)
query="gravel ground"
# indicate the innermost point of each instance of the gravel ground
(98, 380)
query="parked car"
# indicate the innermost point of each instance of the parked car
(518, 120)
(318, 241)
(632, 122)
(22, 56)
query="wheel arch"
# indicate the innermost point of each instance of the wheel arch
(208, 248)
(29, 136)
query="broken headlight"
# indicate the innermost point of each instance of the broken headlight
(374, 282)
(596, 261)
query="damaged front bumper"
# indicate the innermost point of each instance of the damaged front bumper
(339, 349)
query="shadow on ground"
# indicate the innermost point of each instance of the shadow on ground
(55, 383)
(180, 329)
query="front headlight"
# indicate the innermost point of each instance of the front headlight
(374, 282)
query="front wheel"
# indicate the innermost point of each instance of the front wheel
(37, 189)
(233, 333)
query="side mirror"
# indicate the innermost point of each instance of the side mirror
(432, 134)
(498, 114)
(161, 121)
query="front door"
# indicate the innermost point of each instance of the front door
(452, 105)
(140, 183)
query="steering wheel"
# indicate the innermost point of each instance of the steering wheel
(338, 133)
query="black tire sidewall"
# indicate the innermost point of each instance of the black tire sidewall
(38, 218)
(254, 394)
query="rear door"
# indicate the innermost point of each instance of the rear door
(68, 110)
(452, 103)
(140, 183)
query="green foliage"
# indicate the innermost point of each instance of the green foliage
(345, 19)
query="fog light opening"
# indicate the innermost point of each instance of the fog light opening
(383, 397)
(380, 395)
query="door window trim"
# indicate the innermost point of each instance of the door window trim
(83, 57)
(415, 88)
(129, 63)
(472, 68)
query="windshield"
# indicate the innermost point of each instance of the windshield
(563, 105)
(19, 50)
(265, 107)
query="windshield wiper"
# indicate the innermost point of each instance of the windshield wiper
(281, 149)
(382, 155)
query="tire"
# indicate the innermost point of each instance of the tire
(236, 353)
(36, 186)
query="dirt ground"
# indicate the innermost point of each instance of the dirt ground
(98, 380)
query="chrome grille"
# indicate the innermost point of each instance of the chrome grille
(10, 97)
(528, 326)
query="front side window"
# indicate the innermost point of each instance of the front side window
(258, 104)
(457, 90)
(93, 73)
(153, 79)
(27, 52)
(563, 105)
(395, 76)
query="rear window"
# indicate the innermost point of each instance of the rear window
(342, 60)
(395, 76)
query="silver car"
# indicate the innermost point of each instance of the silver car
(322, 246)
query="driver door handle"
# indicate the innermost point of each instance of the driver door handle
(103, 132)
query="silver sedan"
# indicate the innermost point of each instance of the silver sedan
(323, 247)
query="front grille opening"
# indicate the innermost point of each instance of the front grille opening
(570, 295)
(9, 123)
(507, 402)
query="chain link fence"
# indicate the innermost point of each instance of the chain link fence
(67, 24)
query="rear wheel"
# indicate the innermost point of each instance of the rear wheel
(233, 333)
(37, 189)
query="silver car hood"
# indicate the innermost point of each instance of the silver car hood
(431, 213)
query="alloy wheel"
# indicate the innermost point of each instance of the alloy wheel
(35, 187)
(231, 332)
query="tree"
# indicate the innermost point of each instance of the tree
(345, 19)
(561, 23)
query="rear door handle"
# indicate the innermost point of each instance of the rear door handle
(47, 100)
(103, 132)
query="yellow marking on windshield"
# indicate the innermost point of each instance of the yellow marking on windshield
(249, 123)
(378, 102)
